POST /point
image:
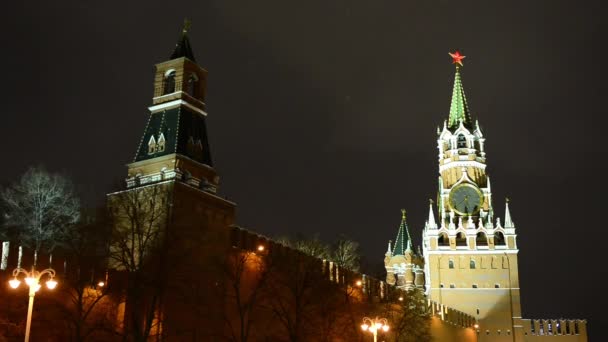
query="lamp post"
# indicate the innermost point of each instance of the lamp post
(373, 325)
(32, 279)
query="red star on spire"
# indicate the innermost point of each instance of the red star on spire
(456, 57)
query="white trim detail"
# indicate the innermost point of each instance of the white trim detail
(484, 252)
(448, 164)
(176, 103)
(475, 290)
(178, 92)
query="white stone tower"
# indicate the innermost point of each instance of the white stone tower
(470, 258)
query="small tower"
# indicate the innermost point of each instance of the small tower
(403, 265)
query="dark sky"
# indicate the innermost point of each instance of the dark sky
(322, 114)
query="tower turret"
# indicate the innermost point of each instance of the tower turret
(403, 265)
(464, 187)
(175, 144)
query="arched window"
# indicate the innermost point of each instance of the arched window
(461, 239)
(169, 82)
(161, 143)
(472, 264)
(443, 240)
(451, 264)
(499, 239)
(462, 141)
(192, 85)
(151, 145)
(481, 239)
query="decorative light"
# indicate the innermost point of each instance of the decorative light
(51, 284)
(401, 299)
(32, 279)
(261, 248)
(359, 283)
(14, 283)
(373, 325)
(476, 326)
(101, 284)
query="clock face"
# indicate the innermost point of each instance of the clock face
(466, 199)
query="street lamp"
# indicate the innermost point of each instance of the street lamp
(32, 279)
(373, 325)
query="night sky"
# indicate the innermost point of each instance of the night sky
(323, 114)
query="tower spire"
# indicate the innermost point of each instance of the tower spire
(431, 221)
(403, 242)
(508, 221)
(183, 48)
(459, 110)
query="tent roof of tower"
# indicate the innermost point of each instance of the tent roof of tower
(183, 48)
(403, 242)
(459, 109)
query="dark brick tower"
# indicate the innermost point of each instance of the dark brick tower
(170, 227)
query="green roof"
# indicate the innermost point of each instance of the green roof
(185, 133)
(403, 242)
(459, 110)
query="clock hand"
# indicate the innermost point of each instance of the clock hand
(465, 199)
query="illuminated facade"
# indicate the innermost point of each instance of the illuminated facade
(467, 266)
(469, 256)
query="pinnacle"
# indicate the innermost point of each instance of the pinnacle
(431, 219)
(508, 221)
(459, 109)
(403, 242)
(183, 48)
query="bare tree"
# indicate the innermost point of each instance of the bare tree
(245, 274)
(139, 219)
(299, 293)
(345, 253)
(88, 305)
(43, 207)
(313, 246)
